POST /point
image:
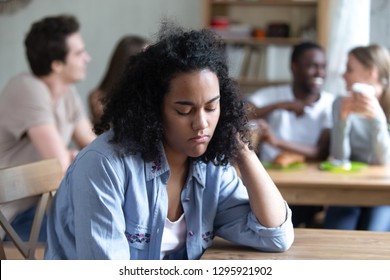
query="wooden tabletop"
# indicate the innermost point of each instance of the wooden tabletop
(313, 244)
(312, 186)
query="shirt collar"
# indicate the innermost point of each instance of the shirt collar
(199, 172)
(160, 166)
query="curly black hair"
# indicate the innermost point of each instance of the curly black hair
(133, 110)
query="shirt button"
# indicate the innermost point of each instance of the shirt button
(186, 199)
(190, 233)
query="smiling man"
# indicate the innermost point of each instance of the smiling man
(296, 118)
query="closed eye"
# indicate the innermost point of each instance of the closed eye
(183, 113)
(213, 106)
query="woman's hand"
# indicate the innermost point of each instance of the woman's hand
(365, 105)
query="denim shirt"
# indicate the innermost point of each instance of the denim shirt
(113, 206)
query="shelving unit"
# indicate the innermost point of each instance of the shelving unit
(256, 59)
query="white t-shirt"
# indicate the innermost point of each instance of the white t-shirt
(174, 236)
(286, 125)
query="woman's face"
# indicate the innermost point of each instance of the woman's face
(356, 72)
(191, 112)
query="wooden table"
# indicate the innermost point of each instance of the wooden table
(313, 244)
(312, 186)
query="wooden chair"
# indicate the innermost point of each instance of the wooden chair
(38, 179)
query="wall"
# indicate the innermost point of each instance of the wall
(353, 23)
(102, 24)
(348, 27)
(380, 24)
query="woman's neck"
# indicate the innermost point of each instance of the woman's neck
(176, 161)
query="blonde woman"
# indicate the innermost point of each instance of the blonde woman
(360, 130)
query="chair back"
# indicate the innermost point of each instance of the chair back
(37, 179)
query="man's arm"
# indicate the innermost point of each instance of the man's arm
(261, 112)
(83, 134)
(318, 152)
(49, 144)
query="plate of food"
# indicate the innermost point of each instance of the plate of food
(286, 161)
(342, 166)
(289, 167)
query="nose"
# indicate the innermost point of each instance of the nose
(320, 71)
(200, 121)
(345, 76)
(87, 57)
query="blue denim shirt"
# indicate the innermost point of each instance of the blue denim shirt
(112, 206)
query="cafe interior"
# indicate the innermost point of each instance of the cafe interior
(259, 37)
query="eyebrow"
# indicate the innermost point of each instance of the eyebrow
(189, 103)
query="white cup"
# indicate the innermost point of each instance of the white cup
(363, 88)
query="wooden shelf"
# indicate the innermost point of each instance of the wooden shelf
(265, 2)
(263, 41)
(257, 62)
(249, 86)
(261, 83)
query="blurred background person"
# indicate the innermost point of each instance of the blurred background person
(128, 45)
(41, 112)
(361, 131)
(296, 118)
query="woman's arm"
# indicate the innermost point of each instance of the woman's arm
(265, 199)
(98, 195)
(237, 221)
(380, 141)
(340, 147)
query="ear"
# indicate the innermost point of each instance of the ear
(293, 67)
(57, 66)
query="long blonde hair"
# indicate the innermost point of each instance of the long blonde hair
(377, 56)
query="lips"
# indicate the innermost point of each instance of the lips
(200, 138)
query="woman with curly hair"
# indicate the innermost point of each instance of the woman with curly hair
(158, 181)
